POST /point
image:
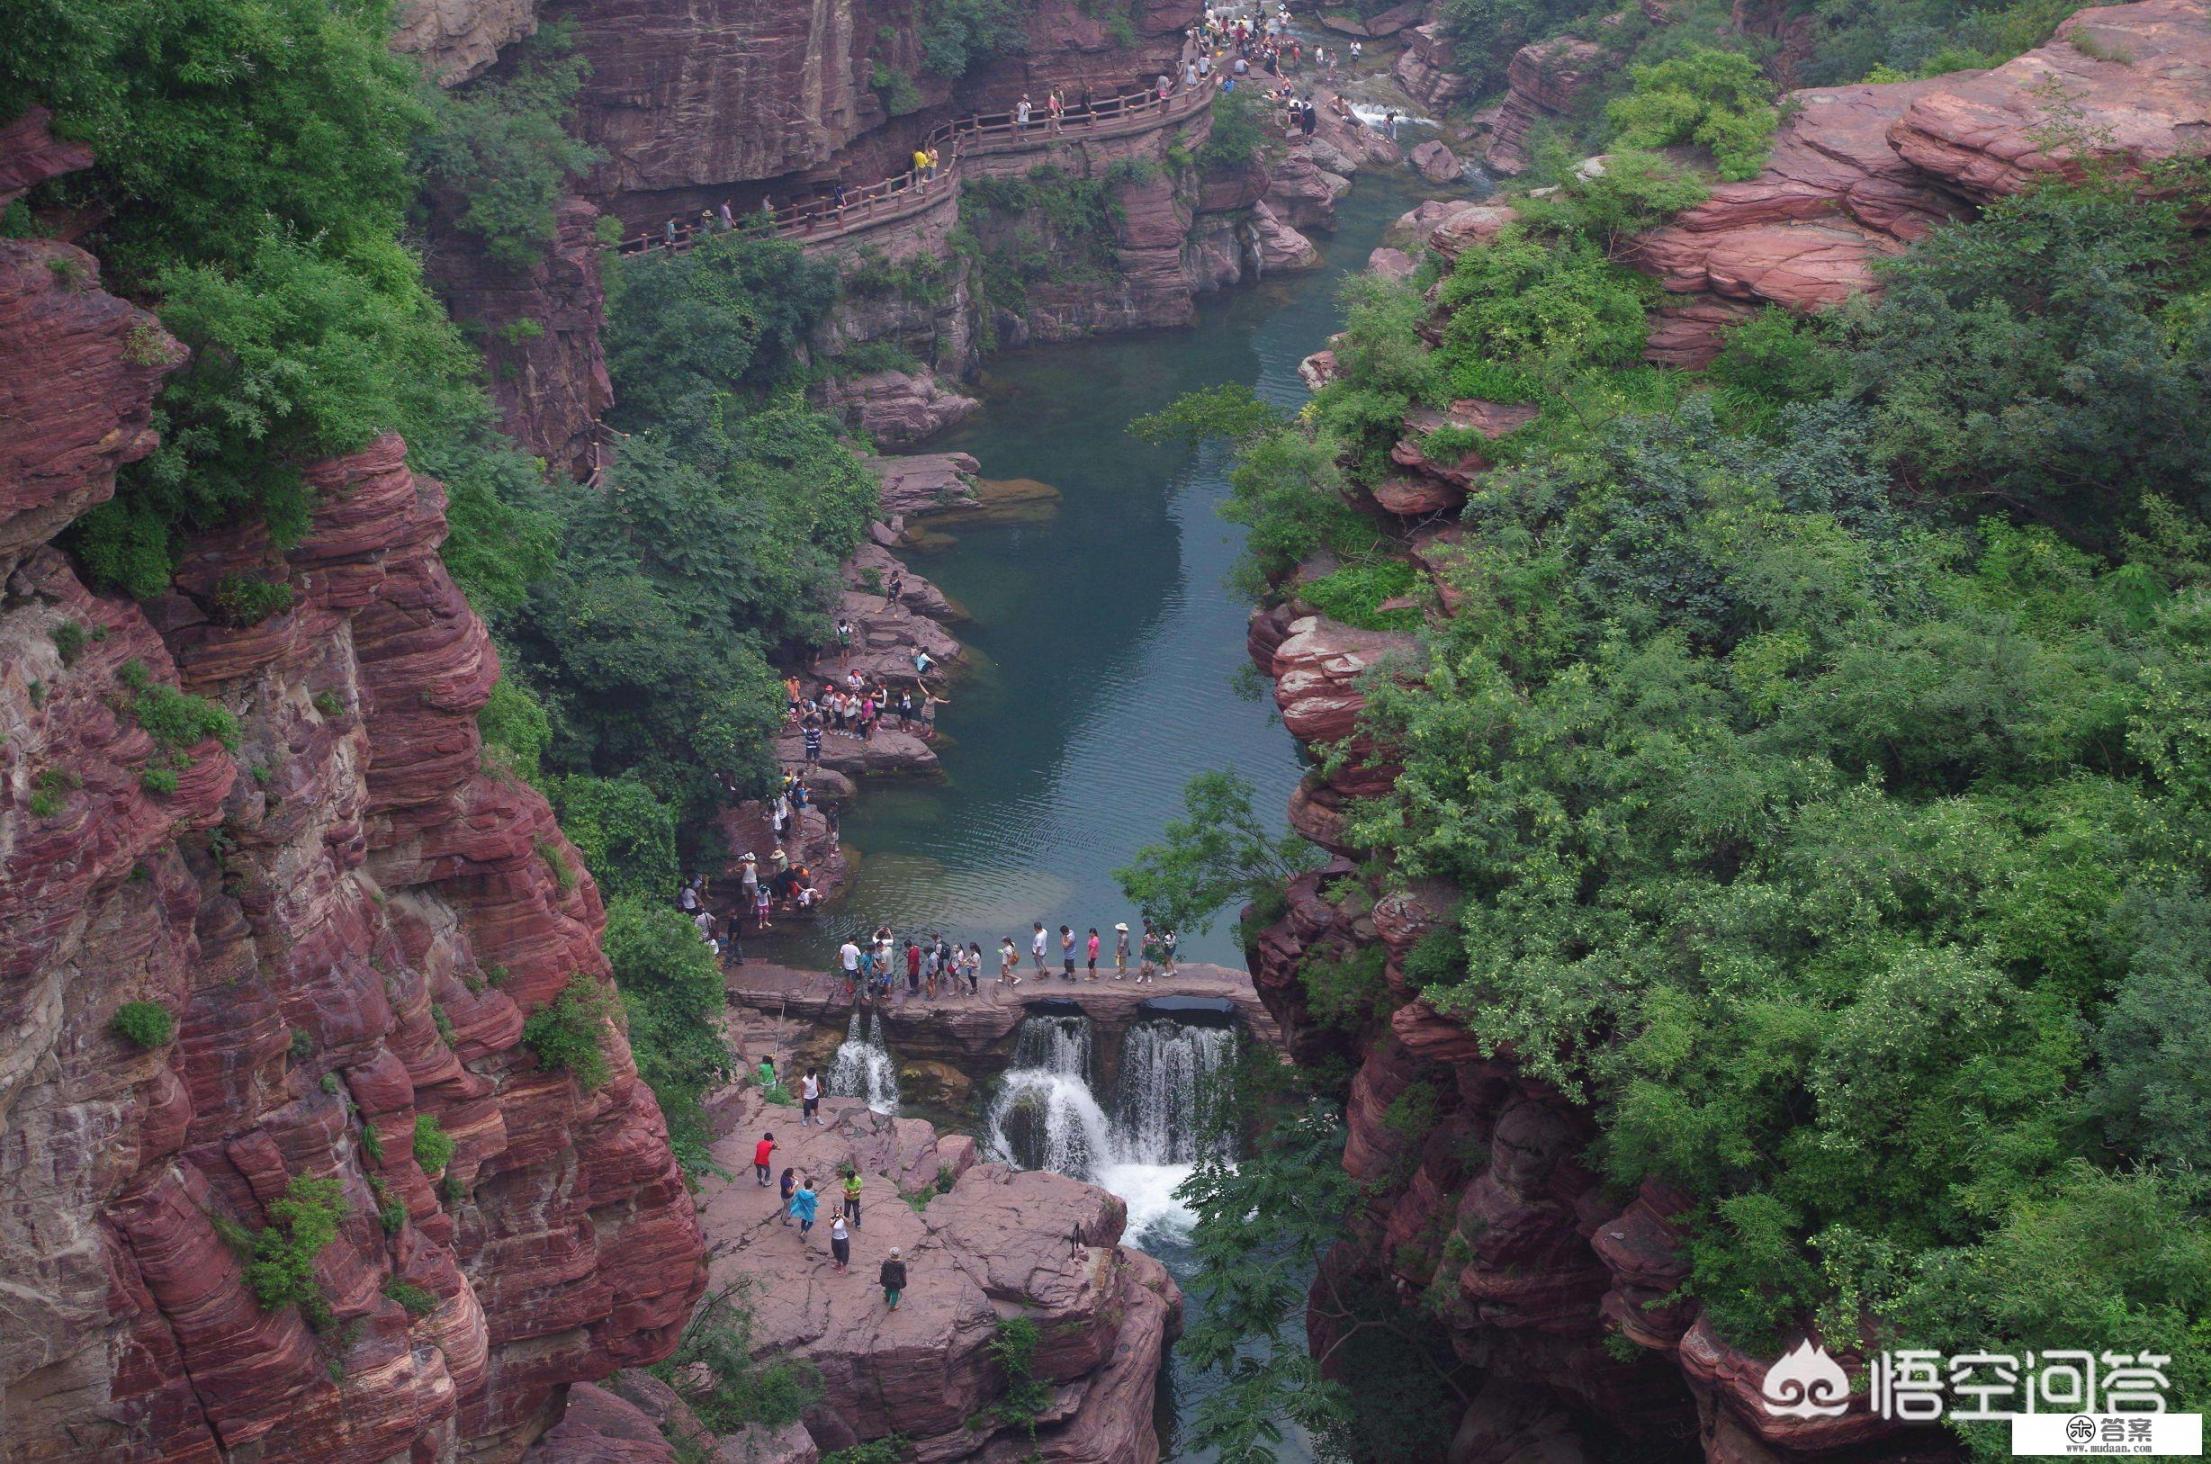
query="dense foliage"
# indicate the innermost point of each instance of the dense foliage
(500, 149)
(1821, 761)
(958, 35)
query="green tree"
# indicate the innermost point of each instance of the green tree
(1715, 99)
(1220, 852)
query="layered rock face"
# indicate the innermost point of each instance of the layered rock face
(348, 919)
(460, 39)
(1542, 80)
(1424, 68)
(1859, 172)
(540, 333)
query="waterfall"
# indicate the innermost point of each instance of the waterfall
(1046, 1115)
(863, 1066)
(1169, 1071)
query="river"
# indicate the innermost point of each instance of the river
(1102, 638)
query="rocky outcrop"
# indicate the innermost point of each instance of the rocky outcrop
(539, 330)
(1425, 68)
(1468, 226)
(77, 384)
(30, 154)
(1833, 198)
(896, 408)
(460, 39)
(346, 919)
(991, 1244)
(2120, 86)
(1280, 248)
(1436, 162)
(1303, 194)
(1436, 484)
(1542, 80)
(924, 482)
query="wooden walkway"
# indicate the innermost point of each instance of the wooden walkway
(817, 219)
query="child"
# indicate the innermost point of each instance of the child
(790, 1183)
(803, 1204)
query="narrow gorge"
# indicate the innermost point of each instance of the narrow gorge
(1573, 678)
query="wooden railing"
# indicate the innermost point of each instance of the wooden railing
(822, 217)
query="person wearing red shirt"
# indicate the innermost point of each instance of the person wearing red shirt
(763, 1153)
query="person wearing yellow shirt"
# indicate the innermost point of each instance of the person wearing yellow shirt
(921, 165)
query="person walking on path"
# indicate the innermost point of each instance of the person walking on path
(763, 1154)
(804, 1203)
(840, 1244)
(1009, 962)
(1091, 949)
(1167, 953)
(1120, 949)
(848, 961)
(783, 1201)
(974, 964)
(1066, 953)
(852, 1184)
(892, 1277)
(1036, 947)
(913, 967)
(809, 1098)
(1020, 117)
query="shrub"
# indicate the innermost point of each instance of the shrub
(564, 873)
(178, 720)
(419, 1301)
(144, 1022)
(50, 791)
(1239, 129)
(444, 1023)
(159, 781)
(69, 639)
(391, 1213)
(503, 146)
(957, 35)
(282, 1272)
(515, 729)
(302, 1044)
(1354, 595)
(566, 1033)
(433, 1146)
(895, 89)
(327, 703)
(245, 600)
(717, 1374)
(331, 1084)
(1715, 99)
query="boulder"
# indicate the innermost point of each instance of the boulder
(923, 482)
(1317, 669)
(1469, 227)
(1437, 163)
(1303, 195)
(30, 154)
(1430, 484)
(897, 408)
(1281, 248)
(1390, 264)
(872, 570)
(1317, 370)
(2132, 79)
(600, 1427)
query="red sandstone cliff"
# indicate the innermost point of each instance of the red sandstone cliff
(349, 918)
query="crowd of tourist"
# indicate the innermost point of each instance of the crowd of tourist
(881, 968)
(1238, 45)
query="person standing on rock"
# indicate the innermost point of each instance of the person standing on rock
(789, 1183)
(1036, 947)
(809, 1099)
(893, 1278)
(974, 965)
(1147, 951)
(1009, 961)
(1066, 953)
(1167, 952)
(1091, 948)
(840, 1244)
(763, 1154)
(766, 1073)
(848, 961)
(1120, 950)
(852, 1186)
(813, 741)
(913, 967)
(804, 1204)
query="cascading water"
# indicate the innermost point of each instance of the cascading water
(863, 1066)
(1170, 1071)
(1046, 1115)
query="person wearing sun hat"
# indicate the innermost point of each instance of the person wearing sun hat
(1120, 950)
